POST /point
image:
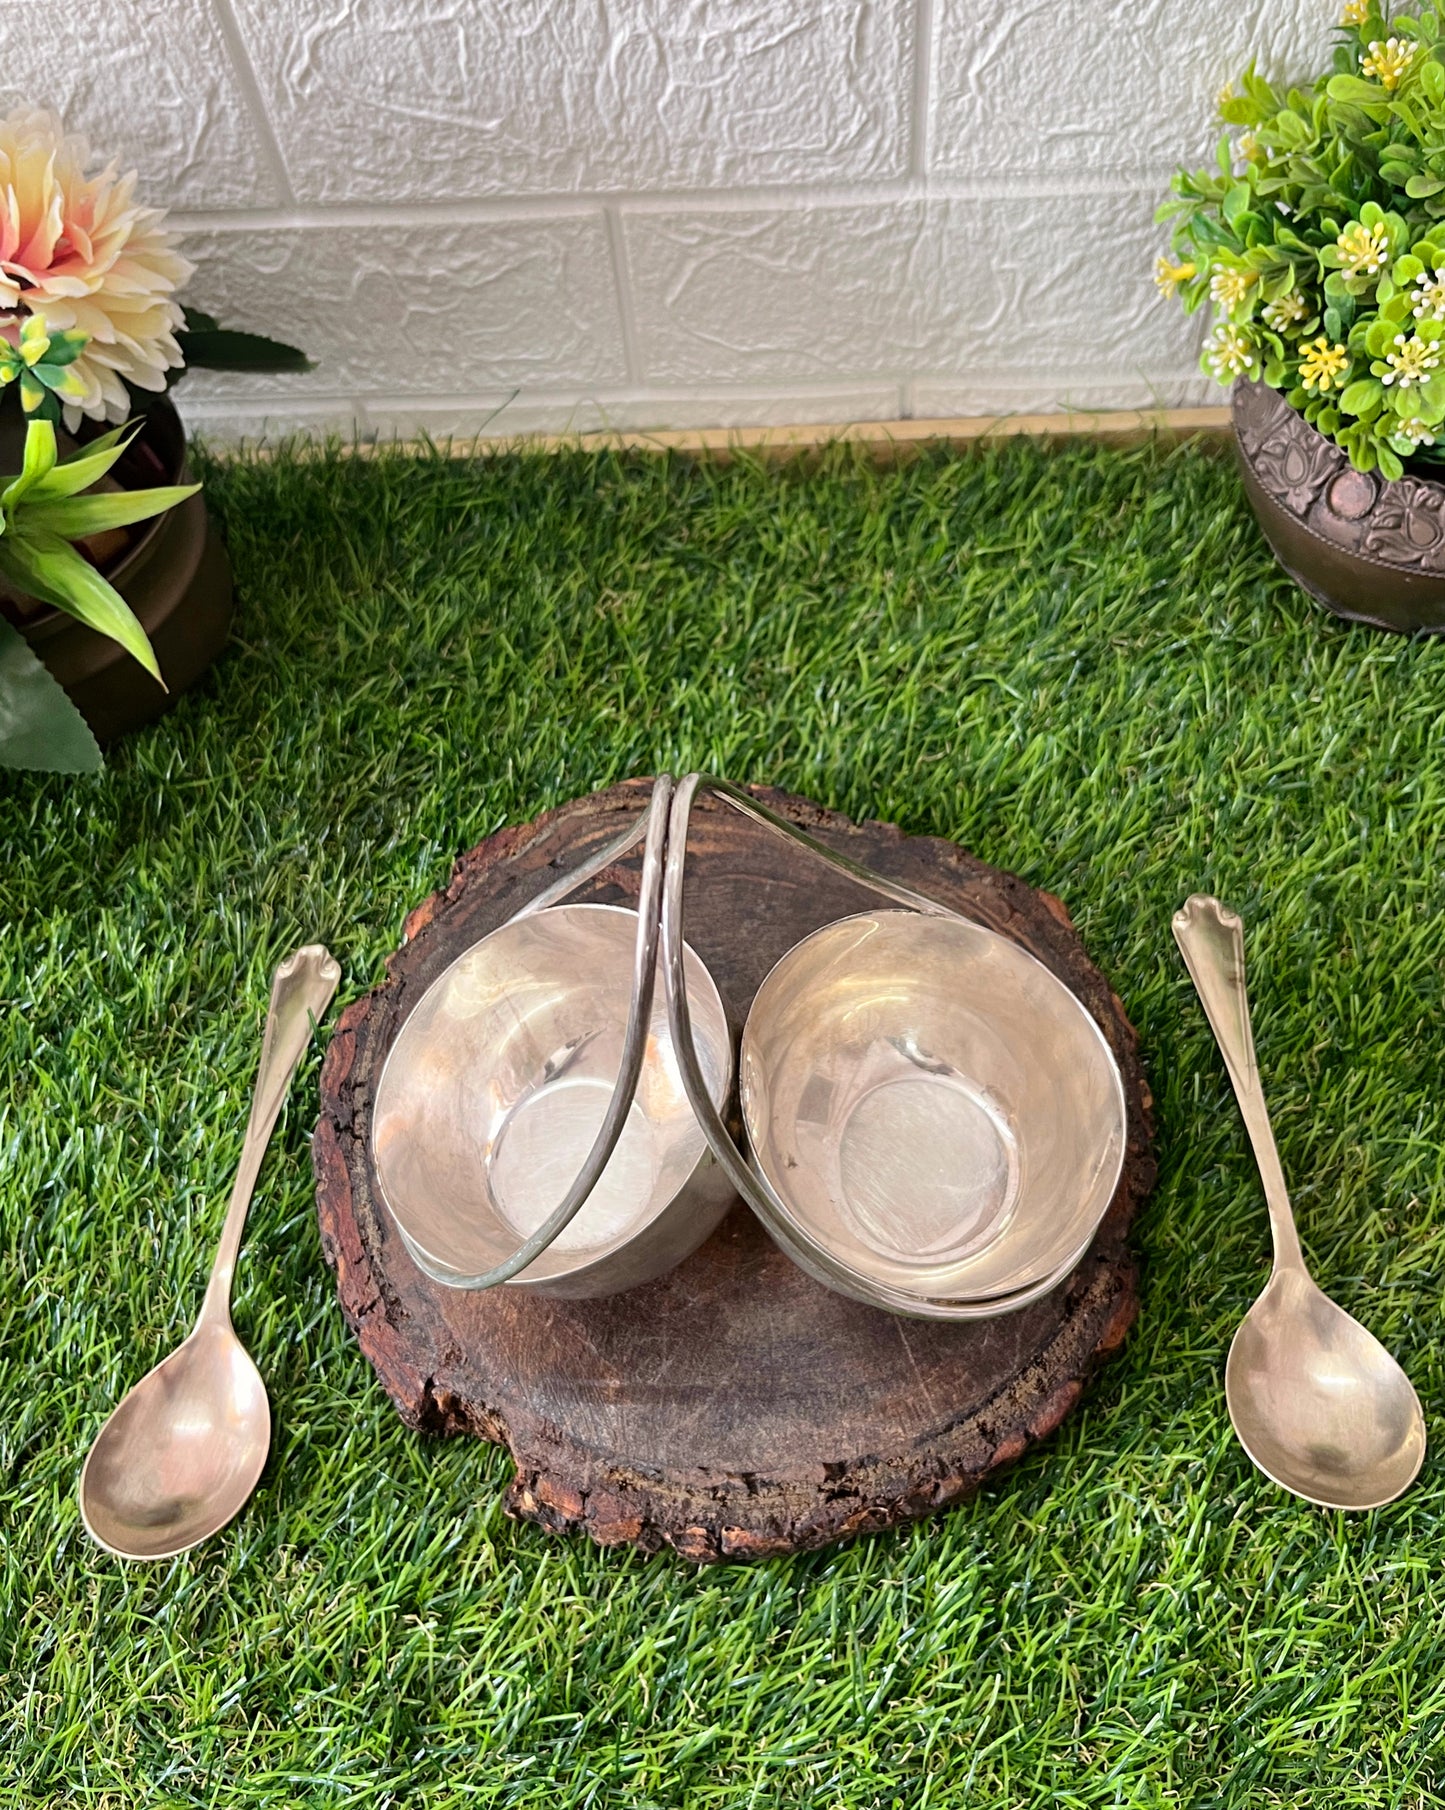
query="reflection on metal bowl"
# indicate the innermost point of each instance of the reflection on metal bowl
(939, 1121)
(497, 1085)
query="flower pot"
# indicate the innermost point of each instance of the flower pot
(174, 575)
(1369, 548)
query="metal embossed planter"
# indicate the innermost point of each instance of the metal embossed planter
(1369, 548)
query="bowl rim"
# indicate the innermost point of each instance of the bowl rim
(892, 1291)
(593, 1257)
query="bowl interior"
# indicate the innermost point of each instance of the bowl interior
(498, 1084)
(930, 1106)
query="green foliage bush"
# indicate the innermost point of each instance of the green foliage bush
(1319, 240)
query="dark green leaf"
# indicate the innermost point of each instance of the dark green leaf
(39, 726)
(223, 349)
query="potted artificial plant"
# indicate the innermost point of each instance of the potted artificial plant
(91, 336)
(45, 508)
(1318, 242)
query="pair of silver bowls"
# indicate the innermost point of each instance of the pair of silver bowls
(934, 1124)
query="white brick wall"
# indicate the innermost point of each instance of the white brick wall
(548, 214)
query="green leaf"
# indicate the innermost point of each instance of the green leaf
(37, 460)
(65, 348)
(80, 515)
(1279, 283)
(50, 569)
(196, 322)
(224, 349)
(1358, 93)
(79, 470)
(1390, 463)
(1418, 187)
(1289, 131)
(1429, 398)
(1362, 397)
(39, 726)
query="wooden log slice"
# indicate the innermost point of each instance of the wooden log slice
(734, 1407)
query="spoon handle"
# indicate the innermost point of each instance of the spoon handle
(300, 993)
(1211, 939)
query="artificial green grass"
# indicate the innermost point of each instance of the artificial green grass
(1082, 664)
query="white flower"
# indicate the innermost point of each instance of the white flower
(1229, 352)
(1363, 249)
(1428, 295)
(1389, 61)
(1416, 431)
(1285, 312)
(1411, 362)
(1228, 288)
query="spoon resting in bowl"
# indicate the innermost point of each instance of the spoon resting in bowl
(1317, 1402)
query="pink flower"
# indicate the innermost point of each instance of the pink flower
(78, 251)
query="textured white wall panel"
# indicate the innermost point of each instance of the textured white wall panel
(913, 288)
(533, 412)
(409, 307)
(535, 215)
(151, 83)
(1049, 393)
(385, 100)
(1119, 87)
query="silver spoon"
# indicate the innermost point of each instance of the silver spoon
(1318, 1403)
(184, 1450)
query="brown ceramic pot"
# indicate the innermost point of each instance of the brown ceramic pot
(1370, 549)
(174, 575)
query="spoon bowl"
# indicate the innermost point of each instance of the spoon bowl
(182, 1453)
(1318, 1403)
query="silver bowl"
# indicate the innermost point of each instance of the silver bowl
(938, 1120)
(496, 1086)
